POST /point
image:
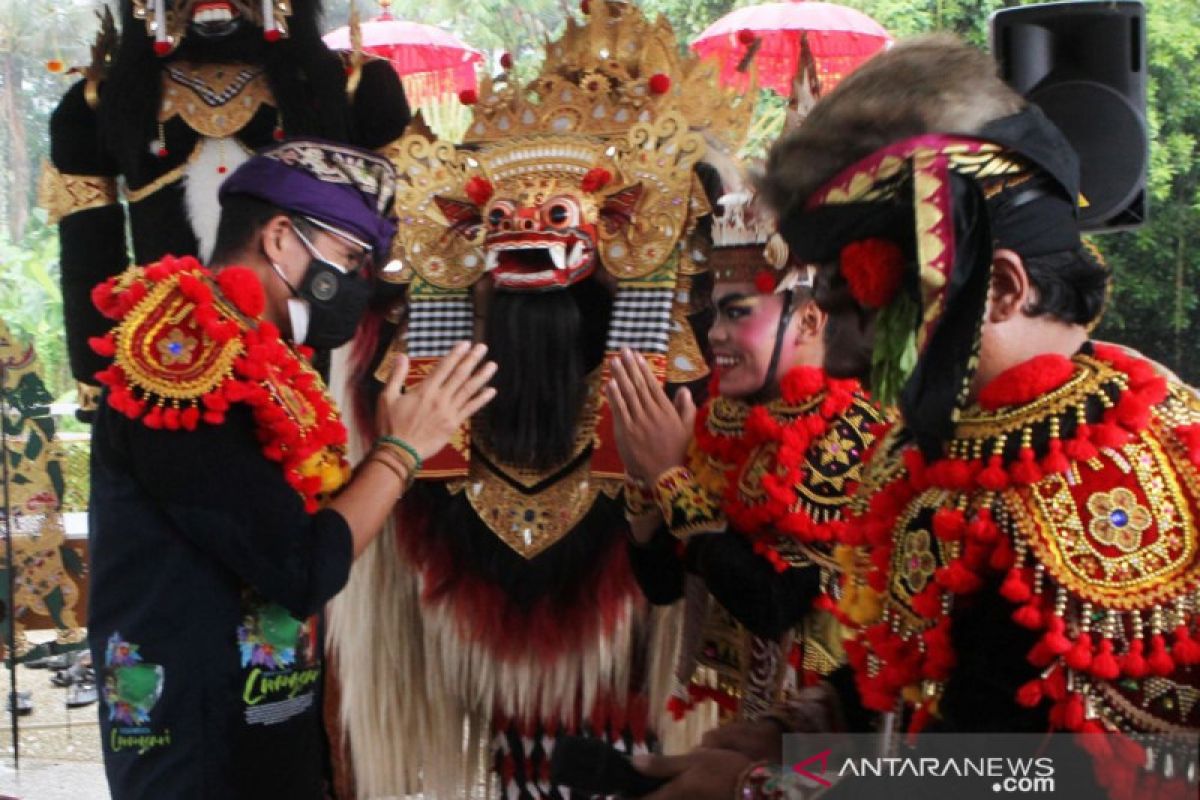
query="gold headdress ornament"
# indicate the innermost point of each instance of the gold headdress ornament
(589, 166)
(614, 95)
(103, 48)
(607, 74)
(747, 244)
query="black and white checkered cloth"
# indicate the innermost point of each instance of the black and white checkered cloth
(641, 320)
(435, 326)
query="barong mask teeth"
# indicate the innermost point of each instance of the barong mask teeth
(169, 21)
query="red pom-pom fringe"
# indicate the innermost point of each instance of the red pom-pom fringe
(595, 179)
(479, 190)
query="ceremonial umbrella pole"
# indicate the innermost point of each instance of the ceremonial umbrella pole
(15, 725)
(432, 63)
(778, 36)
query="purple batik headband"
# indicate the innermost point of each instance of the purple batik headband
(344, 187)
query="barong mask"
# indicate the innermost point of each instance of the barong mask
(543, 231)
(169, 21)
(578, 189)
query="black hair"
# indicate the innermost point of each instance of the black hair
(242, 217)
(849, 329)
(1071, 286)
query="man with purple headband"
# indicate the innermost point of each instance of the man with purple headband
(223, 511)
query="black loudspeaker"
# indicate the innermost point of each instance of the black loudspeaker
(1084, 63)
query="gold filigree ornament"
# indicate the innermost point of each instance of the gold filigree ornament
(686, 362)
(917, 561)
(103, 47)
(660, 157)
(1117, 519)
(614, 95)
(425, 244)
(62, 195)
(216, 100)
(532, 520)
(651, 169)
(616, 69)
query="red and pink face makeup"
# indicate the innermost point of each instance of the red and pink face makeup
(743, 337)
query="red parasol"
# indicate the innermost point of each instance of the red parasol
(839, 39)
(430, 61)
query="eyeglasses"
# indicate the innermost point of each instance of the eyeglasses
(358, 261)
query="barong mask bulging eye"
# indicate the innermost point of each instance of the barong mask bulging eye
(330, 301)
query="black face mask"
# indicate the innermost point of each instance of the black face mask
(336, 299)
(336, 304)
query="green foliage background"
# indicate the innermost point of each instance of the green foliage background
(1153, 307)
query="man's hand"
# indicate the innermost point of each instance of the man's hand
(702, 774)
(652, 433)
(428, 414)
(757, 741)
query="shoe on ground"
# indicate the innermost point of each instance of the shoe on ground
(60, 661)
(82, 694)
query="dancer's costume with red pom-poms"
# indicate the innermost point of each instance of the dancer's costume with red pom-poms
(1069, 494)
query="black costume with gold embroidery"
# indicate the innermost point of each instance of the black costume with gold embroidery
(1047, 564)
(557, 233)
(169, 129)
(752, 515)
(1025, 554)
(210, 452)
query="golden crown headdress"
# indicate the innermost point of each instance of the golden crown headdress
(603, 76)
(613, 93)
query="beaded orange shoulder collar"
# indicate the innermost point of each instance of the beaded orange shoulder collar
(189, 343)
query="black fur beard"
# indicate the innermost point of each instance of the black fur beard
(544, 345)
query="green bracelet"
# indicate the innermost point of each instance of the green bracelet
(406, 447)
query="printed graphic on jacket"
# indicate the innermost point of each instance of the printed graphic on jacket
(132, 688)
(281, 663)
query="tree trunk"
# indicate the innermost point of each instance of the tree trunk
(12, 113)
